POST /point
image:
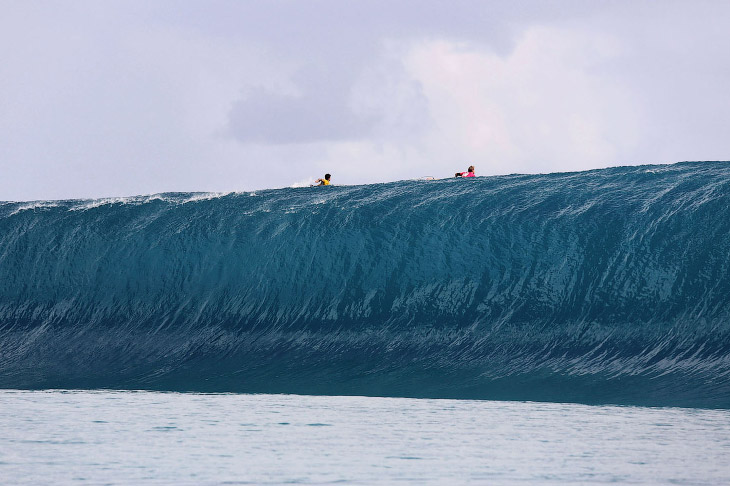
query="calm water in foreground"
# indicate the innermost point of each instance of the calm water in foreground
(104, 437)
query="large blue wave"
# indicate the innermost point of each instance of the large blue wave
(606, 286)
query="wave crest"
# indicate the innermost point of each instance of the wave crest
(606, 286)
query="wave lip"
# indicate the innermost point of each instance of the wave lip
(605, 286)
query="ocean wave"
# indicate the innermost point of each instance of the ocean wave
(605, 286)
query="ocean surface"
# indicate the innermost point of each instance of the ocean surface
(118, 437)
(526, 329)
(601, 287)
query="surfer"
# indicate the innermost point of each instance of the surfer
(470, 173)
(325, 181)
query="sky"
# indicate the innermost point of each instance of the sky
(102, 98)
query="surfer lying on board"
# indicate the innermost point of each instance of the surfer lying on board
(467, 174)
(325, 181)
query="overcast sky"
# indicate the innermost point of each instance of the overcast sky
(112, 98)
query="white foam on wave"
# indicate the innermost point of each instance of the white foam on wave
(309, 181)
(34, 205)
(108, 201)
(139, 200)
(204, 196)
(133, 200)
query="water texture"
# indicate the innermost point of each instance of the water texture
(101, 437)
(606, 286)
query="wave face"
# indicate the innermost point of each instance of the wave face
(607, 286)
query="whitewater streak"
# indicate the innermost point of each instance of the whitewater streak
(606, 286)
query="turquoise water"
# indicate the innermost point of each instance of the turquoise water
(574, 299)
(601, 287)
(113, 437)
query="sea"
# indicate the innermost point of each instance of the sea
(517, 329)
(141, 437)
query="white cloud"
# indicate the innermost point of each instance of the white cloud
(126, 97)
(537, 109)
(540, 108)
